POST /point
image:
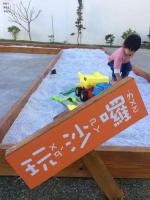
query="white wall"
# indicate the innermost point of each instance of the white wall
(100, 18)
(116, 16)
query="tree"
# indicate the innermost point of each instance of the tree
(110, 39)
(24, 16)
(14, 30)
(52, 36)
(78, 23)
(127, 33)
(149, 35)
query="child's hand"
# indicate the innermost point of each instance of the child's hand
(113, 82)
(118, 77)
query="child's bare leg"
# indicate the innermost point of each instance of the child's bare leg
(140, 72)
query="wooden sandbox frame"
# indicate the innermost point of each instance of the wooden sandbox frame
(122, 162)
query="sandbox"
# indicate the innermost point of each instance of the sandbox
(127, 161)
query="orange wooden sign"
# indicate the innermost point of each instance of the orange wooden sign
(48, 153)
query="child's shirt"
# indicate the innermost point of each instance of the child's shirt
(119, 57)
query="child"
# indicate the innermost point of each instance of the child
(119, 61)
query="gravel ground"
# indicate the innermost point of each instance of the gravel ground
(13, 188)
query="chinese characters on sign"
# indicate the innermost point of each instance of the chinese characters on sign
(51, 153)
(80, 133)
(132, 101)
(116, 111)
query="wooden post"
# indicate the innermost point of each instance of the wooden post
(102, 176)
(140, 72)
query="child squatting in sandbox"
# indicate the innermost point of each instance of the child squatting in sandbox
(119, 60)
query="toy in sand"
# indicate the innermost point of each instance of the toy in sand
(91, 85)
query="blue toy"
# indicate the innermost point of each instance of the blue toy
(100, 87)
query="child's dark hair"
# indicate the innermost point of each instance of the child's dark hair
(132, 42)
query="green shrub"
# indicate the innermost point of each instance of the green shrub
(14, 30)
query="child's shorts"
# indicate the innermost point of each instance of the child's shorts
(125, 69)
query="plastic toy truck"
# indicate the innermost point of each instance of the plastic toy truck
(91, 85)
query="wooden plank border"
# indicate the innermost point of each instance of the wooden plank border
(61, 46)
(123, 162)
(29, 49)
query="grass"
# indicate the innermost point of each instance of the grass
(49, 43)
(27, 42)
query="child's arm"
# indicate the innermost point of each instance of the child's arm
(117, 67)
(118, 78)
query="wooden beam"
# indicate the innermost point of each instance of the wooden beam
(140, 72)
(122, 162)
(50, 46)
(29, 49)
(102, 176)
(5, 169)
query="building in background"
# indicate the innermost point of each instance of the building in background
(101, 17)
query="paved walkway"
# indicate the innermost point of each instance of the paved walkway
(17, 72)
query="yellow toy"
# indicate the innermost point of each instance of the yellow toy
(91, 85)
(89, 81)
